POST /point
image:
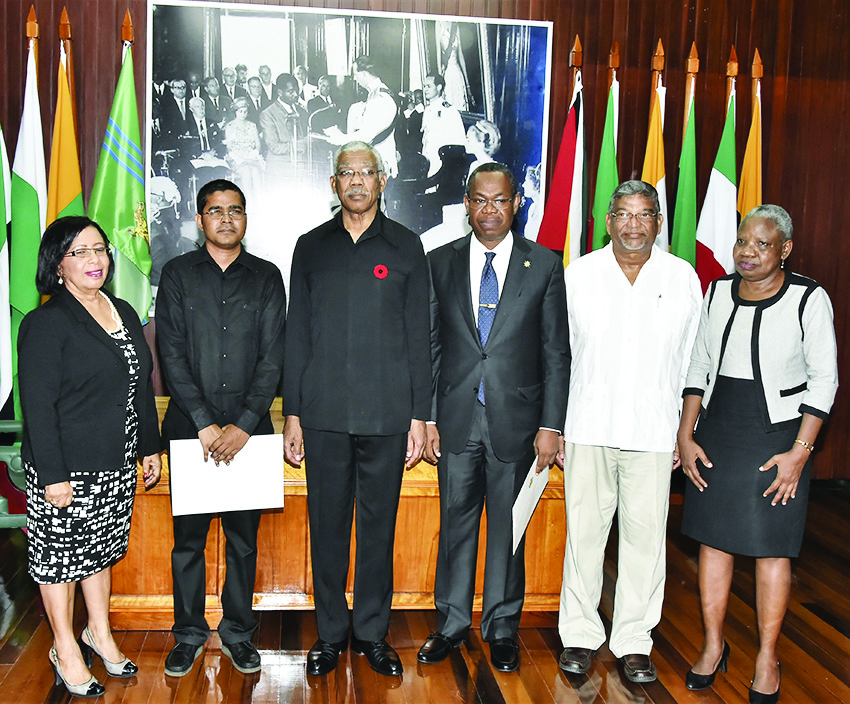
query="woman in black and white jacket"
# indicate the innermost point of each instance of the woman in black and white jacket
(762, 380)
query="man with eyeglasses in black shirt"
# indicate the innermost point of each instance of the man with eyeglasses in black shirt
(356, 396)
(220, 315)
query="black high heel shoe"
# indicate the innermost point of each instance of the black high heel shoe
(695, 682)
(761, 698)
(124, 669)
(90, 689)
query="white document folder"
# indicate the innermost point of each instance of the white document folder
(253, 479)
(526, 501)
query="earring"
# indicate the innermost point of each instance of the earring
(61, 280)
(782, 264)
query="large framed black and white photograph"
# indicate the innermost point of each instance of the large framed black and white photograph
(264, 96)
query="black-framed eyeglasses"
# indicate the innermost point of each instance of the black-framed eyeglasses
(235, 213)
(84, 252)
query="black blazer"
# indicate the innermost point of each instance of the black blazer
(526, 364)
(74, 382)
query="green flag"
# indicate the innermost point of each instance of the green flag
(684, 239)
(607, 179)
(29, 209)
(117, 201)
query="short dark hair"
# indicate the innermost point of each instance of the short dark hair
(439, 81)
(365, 63)
(285, 79)
(55, 243)
(216, 186)
(635, 188)
(493, 167)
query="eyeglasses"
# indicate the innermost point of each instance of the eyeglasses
(364, 173)
(234, 213)
(500, 203)
(622, 216)
(84, 252)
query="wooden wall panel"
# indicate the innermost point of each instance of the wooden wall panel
(806, 98)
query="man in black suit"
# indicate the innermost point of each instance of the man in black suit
(231, 88)
(174, 116)
(217, 104)
(257, 101)
(501, 361)
(356, 398)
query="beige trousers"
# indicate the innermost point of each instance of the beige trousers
(598, 481)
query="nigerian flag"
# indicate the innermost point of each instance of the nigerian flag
(117, 201)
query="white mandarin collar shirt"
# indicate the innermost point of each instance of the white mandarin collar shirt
(477, 259)
(631, 347)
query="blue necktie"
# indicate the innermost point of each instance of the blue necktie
(488, 301)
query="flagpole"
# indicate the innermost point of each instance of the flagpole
(692, 69)
(575, 64)
(32, 36)
(731, 74)
(65, 38)
(657, 68)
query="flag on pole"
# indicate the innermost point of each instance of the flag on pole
(718, 222)
(64, 185)
(749, 192)
(117, 201)
(29, 209)
(562, 228)
(5, 317)
(607, 179)
(653, 162)
(684, 234)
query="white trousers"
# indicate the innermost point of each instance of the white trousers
(598, 481)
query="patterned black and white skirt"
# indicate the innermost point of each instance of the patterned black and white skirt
(72, 543)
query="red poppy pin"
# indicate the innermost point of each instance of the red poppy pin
(380, 271)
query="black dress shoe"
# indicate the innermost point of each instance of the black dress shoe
(437, 648)
(181, 658)
(696, 682)
(382, 658)
(761, 697)
(323, 656)
(504, 654)
(639, 668)
(576, 660)
(244, 655)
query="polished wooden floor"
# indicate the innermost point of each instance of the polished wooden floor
(814, 649)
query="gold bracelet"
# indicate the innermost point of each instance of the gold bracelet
(805, 444)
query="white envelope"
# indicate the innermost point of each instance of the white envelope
(253, 479)
(526, 501)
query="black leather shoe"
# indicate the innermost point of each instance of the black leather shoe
(761, 697)
(244, 655)
(323, 656)
(576, 660)
(639, 668)
(437, 648)
(382, 658)
(696, 682)
(181, 658)
(504, 654)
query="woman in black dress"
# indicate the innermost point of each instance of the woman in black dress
(84, 370)
(762, 379)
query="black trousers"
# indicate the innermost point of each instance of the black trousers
(466, 479)
(189, 570)
(340, 470)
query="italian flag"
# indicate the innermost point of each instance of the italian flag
(607, 179)
(562, 228)
(718, 221)
(29, 209)
(653, 162)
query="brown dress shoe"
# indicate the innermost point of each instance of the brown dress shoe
(639, 668)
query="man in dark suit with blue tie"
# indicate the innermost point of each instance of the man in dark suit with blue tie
(501, 361)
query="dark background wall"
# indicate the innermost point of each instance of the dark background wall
(805, 93)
